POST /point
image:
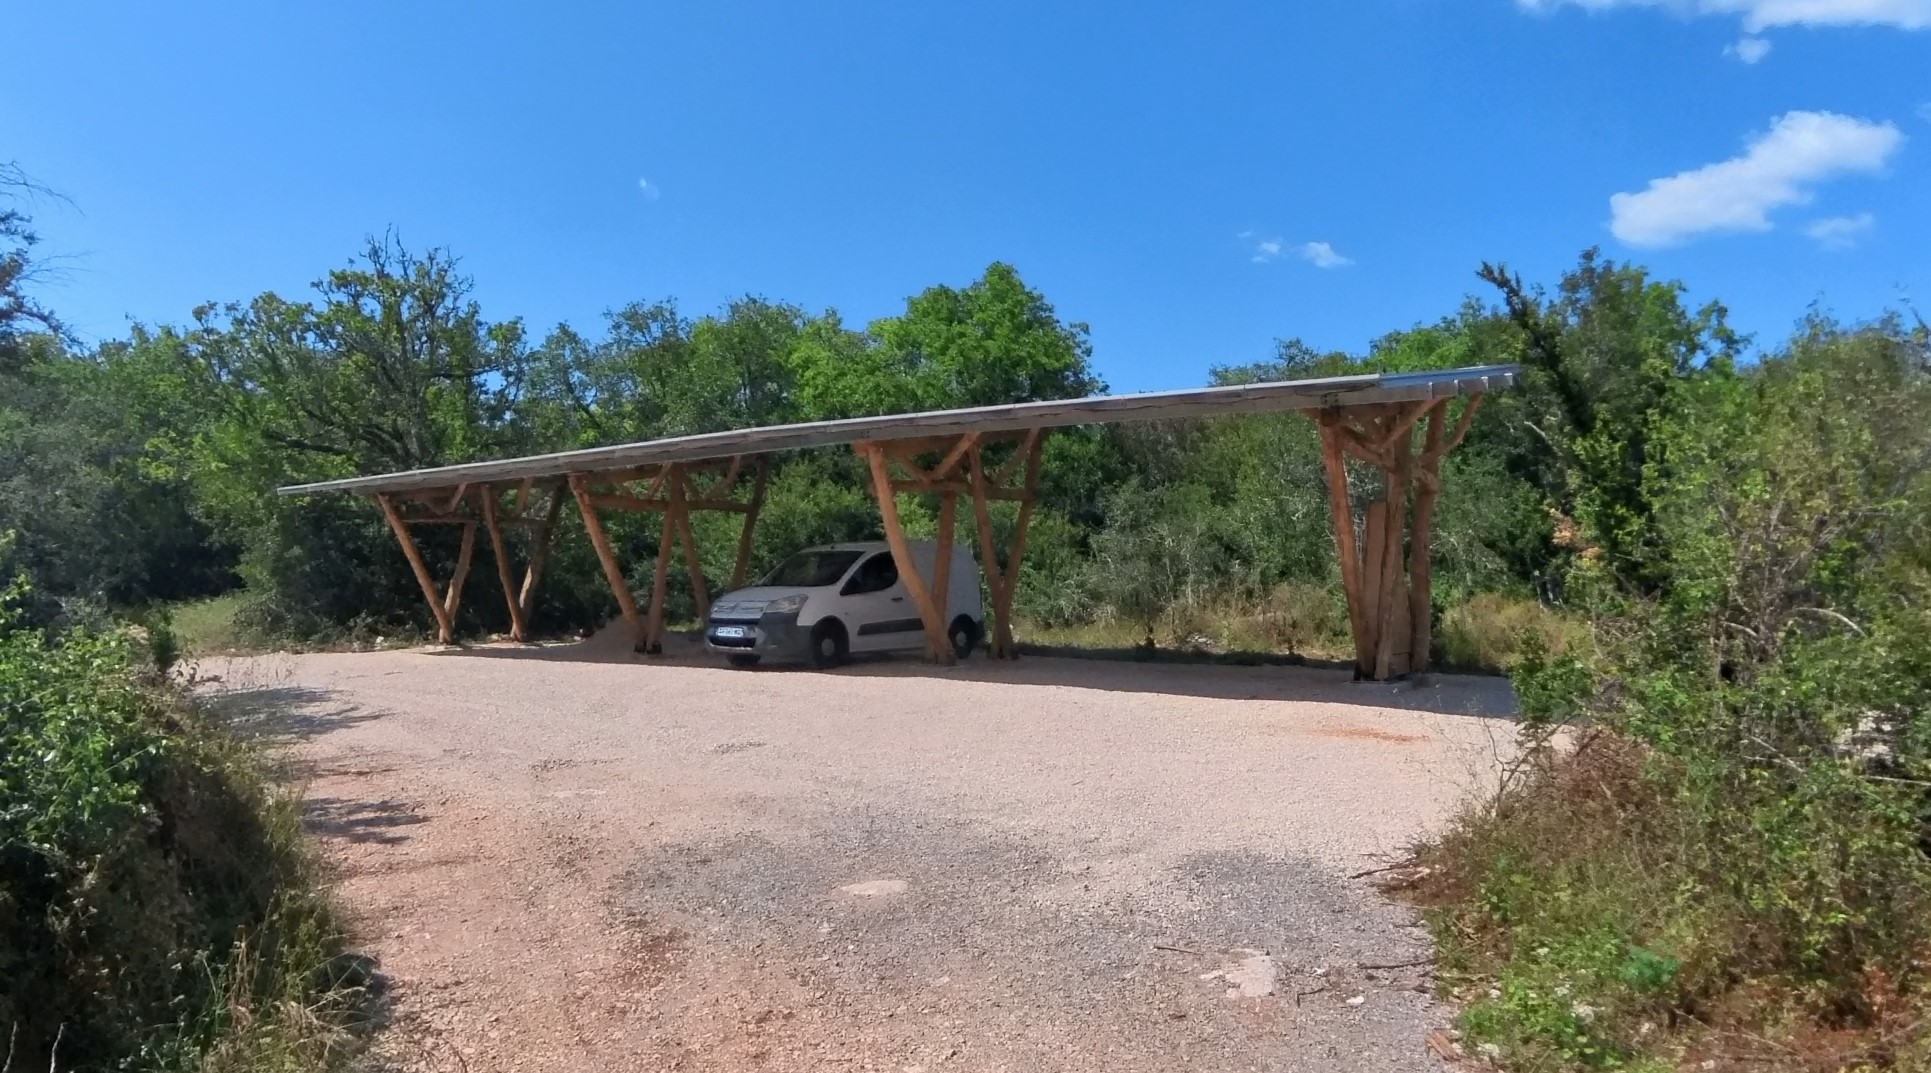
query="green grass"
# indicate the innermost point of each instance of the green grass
(209, 627)
(160, 906)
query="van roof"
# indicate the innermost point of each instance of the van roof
(869, 545)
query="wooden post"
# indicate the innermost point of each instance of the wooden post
(453, 598)
(1396, 505)
(700, 593)
(1033, 448)
(750, 524)
(988, 548)
(488, 496)
(539, 554)
(942, 566)
(444, 633)
(1341, 507)
(660, 580)
(908, 567)
(1421, 605)
(612, 571)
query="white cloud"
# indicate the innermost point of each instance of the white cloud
(1749, 49)
(1266, 247)
(1760, 15)
(1840, 232)
(1778, 168)
(651, 193)
(1322, 255)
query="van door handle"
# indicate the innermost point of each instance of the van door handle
(898, 599)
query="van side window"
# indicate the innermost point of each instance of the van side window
(875, 574)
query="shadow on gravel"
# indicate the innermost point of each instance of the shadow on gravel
(371, 822)
(1218, 678)
(283, 713)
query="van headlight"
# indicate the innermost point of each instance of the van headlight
(785, 605)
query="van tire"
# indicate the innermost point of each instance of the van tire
(829, 646)
(964, 635)
(742, 659)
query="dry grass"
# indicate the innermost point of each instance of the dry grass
(1487, 634)
(1491, 631)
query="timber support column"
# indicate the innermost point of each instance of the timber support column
(931, 616)
(959, 471)
(517, 599)
(1387, 575)
(443, 604)
(1002, 580)
(613, 571)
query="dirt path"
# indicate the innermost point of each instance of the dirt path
(572, 864)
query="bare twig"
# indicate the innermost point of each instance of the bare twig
(1156, 946)
(1828, 613)
(1399, 964)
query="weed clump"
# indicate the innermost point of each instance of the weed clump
(1717, 849)
(158, 909)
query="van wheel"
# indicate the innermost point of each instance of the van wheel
(828, 644)
(742, 659)
(964, 635)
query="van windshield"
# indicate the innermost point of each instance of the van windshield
(812, 569)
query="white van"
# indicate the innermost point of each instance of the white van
(825, 603)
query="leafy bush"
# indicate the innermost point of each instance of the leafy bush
(157, 905)
(1736, 861)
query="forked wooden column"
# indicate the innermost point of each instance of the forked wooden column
(959, 470)
(1390, 606)
(673, 490)
(1002, 580)
(520, 599)
(474, 506)
(443, 603)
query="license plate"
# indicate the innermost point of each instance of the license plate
(729, 631)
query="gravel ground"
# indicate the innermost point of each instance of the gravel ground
(568, 858)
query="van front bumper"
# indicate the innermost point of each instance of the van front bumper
(772, 636)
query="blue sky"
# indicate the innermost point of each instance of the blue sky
(1193, 180)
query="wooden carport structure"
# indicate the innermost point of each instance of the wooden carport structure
(1402, 424)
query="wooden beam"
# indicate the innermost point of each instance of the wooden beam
(988, 554)
(453, 596)
(1461, 427)
(522, 503)
(502, 553)
(1403, 420)
(908, 567)
(953, 457)
(750, 523)
(613, 572)
(1026, 449)
(942, 566)
(1016, 556)
(444, 633)
(458, 519)
(1391, 563)
(1341, 508)
(721, 491)
(457, 499)
(959, 486)
(660, 577)
(700, 592)
(1421, 604)
(539, 554)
